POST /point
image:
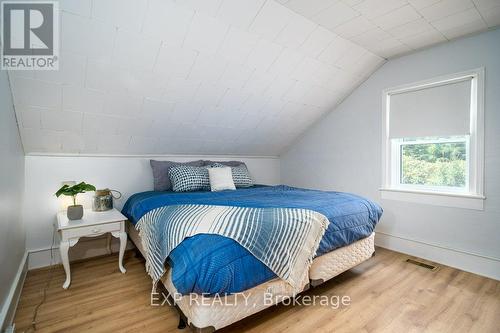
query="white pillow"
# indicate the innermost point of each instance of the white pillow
(221, 179)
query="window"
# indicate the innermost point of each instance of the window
(433, 141)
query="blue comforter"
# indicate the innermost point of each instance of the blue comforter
(214, 264)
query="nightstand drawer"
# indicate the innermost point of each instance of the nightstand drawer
(93, 230)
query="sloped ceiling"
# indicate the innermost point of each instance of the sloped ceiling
(217, 76)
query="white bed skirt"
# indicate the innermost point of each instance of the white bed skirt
(208, 316)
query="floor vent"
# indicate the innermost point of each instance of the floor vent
(421, 264)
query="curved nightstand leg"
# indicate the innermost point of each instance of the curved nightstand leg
(64, 248)
(123, 245)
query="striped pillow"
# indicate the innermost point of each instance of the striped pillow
(187, 178)
(241, 176)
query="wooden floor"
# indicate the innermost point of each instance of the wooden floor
(388, 295)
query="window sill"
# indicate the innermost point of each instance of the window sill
(467, 201)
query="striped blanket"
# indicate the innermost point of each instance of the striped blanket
(284, 239)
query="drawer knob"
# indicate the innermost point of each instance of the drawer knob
(96, 230)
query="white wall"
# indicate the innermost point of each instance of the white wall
(12, 239)
(342, 151)
(129, 175)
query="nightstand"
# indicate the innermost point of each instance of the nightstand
(91, 225)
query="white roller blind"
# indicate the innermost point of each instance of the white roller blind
(442, 110)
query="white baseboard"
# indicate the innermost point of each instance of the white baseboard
(10, 305)
(466, 261)
(85, 248)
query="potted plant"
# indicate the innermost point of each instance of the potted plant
(75, 212)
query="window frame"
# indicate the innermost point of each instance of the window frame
(396, 158)
(473, 196)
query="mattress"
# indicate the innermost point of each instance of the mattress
(216, 265)
(208, 315)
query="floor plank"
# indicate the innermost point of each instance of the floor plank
(387, 295)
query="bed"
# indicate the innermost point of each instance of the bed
(210, 265)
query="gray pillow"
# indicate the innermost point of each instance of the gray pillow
(186, 178)
(226, 163)
(160, 172)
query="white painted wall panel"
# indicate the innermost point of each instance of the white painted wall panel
(12, 235)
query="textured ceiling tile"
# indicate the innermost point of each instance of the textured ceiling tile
(122, 104)
(320, 97)
(286, 62)
(317, 41)
(209, 7)
(238, 44)
(263, 55)
(144, 83)
(445, 8)
(411, 29)
(100, 124)
(309, 8)
(395, 48)
(71, 143)
(153, 109)
(135, 126)
(102, 76)
(271, 19)
(208, 68)
(465, 29)
(239, 13)
(296, 92)
(125, 14)
(334, 51)
(175, 61)
(335, 15)
(233, 99)
(62, 121)
(351, 58)
(217, 76)
(166, 21)
(397, 17)
(205, 33)
(134, 50)
(79, 7)
(36, 93)
(424, 39)
(486, 4)
(458, 20)
(419, 4)
(179, 89)
(491, 15)
(254, 104)
(29, 116)
(279, 87)
(71, 70)
(208, 116)
(354, 27)
(374, 8)
(112, 144)
(36, 140)
(82, 99)
(307, 68)
(258, 82)
(143, 145)
(235, 76)
(87, 36)
(186, 111)
(371, 39)
(295, 32)
(209, 94)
